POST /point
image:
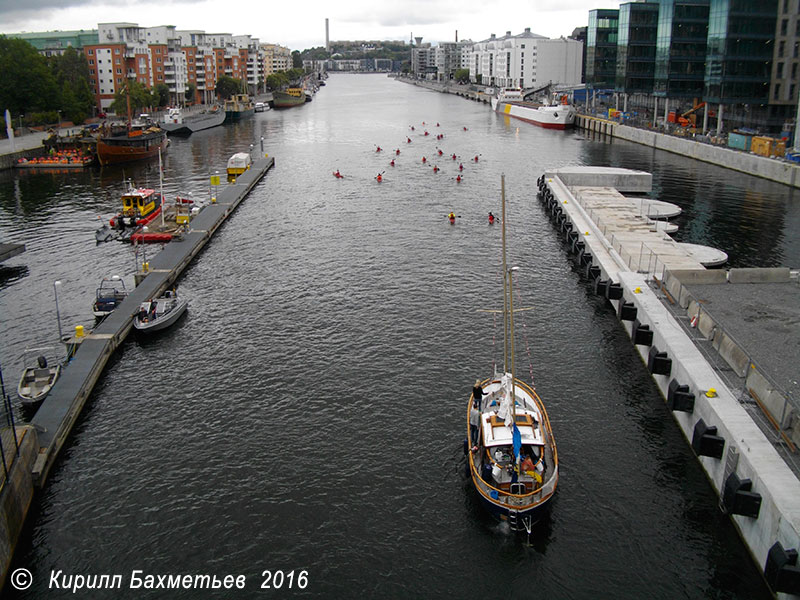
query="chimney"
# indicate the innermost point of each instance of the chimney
(508, 34)
(491, 37)
(456, 36)
(527, 30)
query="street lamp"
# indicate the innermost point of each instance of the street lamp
(59, 122)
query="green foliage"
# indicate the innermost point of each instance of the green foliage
(72, 74)
(140, 98)
(461, 75)
(161, 95)
(27, 84)
(297, 59)
(277, 81)
(295, 74)
(228, 86)
(190, 93)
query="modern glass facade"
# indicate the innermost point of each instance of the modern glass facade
(601, 48)
(681, 48)
(636, 47)
(741, 36)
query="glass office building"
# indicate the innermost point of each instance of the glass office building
(601, 48)
(741, 38)
(636, 47)
(681, 48)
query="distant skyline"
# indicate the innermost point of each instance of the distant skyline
(302, 26)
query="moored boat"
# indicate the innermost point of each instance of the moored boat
(108, 296)
(238, 164)
(136, 142)
(139, 207)
(288, 98)
(512, 456)
(550, 115)
(238, 107)
(176, 123)
(38, 375)
(160, 313)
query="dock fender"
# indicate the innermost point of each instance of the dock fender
(679, 398)
(600, 285)
(781, 571)
(658, 363)
(641, 334)
(614, 291)
(706, 442)
(627, 311)
(578, 246)
(570, 237)
(739, 499)
(593, 273)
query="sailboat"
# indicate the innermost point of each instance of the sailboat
(511, 451)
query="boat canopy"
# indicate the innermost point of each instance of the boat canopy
(240, 160)
(496, 433)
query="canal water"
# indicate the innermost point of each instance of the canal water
(307, 415)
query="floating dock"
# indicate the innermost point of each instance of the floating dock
(59, 411)
(744, 430)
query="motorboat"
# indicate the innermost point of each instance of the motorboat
(38, 375)
(511, 452)
(108, 296)
(160, 313)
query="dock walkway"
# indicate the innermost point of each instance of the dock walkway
(721, 346)
(59, 411)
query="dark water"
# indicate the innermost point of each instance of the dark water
(308, 413)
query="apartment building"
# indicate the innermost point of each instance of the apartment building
(526, 60)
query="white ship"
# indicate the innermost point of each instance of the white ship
(559, 114)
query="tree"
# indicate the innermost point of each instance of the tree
(297, 59)
(27, 84)
(190, 93)
(161, 94)
(140, 97)
(71, 72)
(276, 81)
(228, 86)
(461, 75)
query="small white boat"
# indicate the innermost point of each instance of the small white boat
(38, 375)
(108, 296)
(158, 314)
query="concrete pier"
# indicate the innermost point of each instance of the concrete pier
(59, 411)
(744, 431)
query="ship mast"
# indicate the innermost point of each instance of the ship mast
(505, 287)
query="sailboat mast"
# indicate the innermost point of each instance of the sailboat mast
(505, 284)
(161, 186)
(511, 328)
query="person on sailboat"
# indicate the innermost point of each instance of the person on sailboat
(477, 393)
(474, 425)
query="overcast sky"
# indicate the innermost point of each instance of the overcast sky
(300, 25)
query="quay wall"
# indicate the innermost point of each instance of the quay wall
(7, 161)
(760, 166)
(16, 496)
(742, 451)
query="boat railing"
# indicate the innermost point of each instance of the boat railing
(526, 500)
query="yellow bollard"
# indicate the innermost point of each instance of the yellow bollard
(79, 331)
(145, 267)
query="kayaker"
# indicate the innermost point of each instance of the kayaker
(491, 218)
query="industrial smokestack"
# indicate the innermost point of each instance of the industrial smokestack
(456, 36)
(327, 38)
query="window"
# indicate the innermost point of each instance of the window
(794, 70)
(116, 50)
(119, 71)
(784, 26)
(791, 92)
(91, 61)
(781, 48)
(777, 94)
(779, 71)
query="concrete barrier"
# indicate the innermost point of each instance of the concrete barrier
(760, 166)
(767, 275)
